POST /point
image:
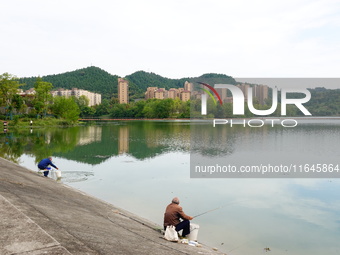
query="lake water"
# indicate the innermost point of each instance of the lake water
(141, 165)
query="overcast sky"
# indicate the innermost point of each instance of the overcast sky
(175, 39)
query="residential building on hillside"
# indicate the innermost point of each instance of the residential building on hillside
(150, 93)
(196, 95)
(222, 93)
(189, 86)
(30, 91)
(173, 93)
(185, 95)
(123, 91)
(160, 94)
(261, 93)
(94, 98)
(228, 100)
(244, 88)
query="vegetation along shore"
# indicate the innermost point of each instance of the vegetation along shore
(20, 110)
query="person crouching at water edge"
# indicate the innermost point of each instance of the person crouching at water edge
(43, 165)
(173, 215)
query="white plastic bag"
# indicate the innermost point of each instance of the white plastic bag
(171, 234)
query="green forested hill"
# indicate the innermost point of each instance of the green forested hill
(142, 80)
(97, 80)
(324, 102)
(91, 78)
(213, 78)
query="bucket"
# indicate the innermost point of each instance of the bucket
(193, 232)
(58, 173)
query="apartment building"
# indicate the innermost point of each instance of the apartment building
(189, 86)
(94, 98)
(150, 93)
(185, 95)
(162, 93)
(123, 91)
(261, 93)
(173, 93)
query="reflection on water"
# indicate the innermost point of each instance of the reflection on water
(95, 144)
(140, 166)
(123, 140)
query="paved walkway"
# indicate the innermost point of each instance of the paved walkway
(41, 216)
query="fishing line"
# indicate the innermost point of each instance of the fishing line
(220, 207)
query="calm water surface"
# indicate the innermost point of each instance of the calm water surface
(140, 166)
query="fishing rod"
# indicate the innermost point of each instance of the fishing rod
(220, 207)
(207, 212)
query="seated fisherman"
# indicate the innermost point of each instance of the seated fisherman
(173, 215)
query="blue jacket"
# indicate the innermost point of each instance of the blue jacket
(45, 163)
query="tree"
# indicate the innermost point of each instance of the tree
(18, 103)
(185, 110)
(83, 103)
(163, 108)
(88, 111)
(118, 111)
(139, 109)
(103, 108)
(176, 107)
(42, 95)
(65, 108)
(9, 86)
(148, 109)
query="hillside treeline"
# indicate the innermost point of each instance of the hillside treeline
(152, 108)
(99, 81)
(324, 102)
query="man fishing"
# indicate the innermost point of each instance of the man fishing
(43, 165)
(173, 215)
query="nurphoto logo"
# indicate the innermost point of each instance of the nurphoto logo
(238, 100)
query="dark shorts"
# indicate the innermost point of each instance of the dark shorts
(46, 168)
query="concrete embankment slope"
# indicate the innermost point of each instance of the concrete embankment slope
(41, 216)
